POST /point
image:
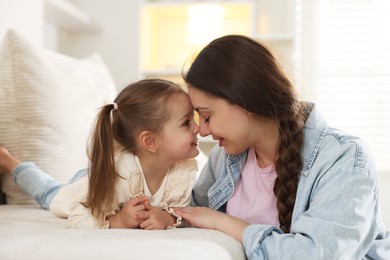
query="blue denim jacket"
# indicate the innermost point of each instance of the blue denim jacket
(336, 213)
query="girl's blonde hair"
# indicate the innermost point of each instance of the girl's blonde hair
(140, 106)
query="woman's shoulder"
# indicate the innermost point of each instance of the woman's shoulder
(345, 145)
(327, 145)
(339, 149)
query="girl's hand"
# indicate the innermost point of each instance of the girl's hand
(155, 218)
(147, 204)
(126, 217)
(131, 209)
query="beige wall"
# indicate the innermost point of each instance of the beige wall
(117, 42)
(25, 16)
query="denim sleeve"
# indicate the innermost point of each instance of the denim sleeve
(338, 222)
(253, 238)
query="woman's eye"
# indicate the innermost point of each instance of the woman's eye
(187, 122)
(207, 120)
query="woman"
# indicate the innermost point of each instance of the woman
(292, 187)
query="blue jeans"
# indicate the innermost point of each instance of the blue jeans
(38, 184)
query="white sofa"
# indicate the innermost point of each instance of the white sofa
(47, 104)
(28, 232)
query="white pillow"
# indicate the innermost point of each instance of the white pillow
(48, 103)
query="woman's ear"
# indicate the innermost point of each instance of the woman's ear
(148, 141)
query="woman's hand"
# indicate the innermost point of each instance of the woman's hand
(203, 217)
(155, 218)
(200, 217)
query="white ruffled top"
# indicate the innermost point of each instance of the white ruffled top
(174, 192)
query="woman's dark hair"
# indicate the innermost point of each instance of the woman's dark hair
(140, 106)
(244, 72)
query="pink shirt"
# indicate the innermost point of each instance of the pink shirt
(253, 199)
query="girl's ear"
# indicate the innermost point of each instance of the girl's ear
(148, 141)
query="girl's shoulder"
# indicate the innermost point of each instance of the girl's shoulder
(184, 171)
(189, 165)
(180, 182)
(126, 163)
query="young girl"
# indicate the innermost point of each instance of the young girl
(141, 163)
(282, 181)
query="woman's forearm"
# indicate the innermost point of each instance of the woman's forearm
(204, 217)
(232, 226)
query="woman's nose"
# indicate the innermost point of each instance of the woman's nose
(203, 129)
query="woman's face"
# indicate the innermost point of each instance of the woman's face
(227, 123)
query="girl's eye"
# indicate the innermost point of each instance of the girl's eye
(207, 120)
(187, 122)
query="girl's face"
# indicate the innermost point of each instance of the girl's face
(228, 124)
(179, 139)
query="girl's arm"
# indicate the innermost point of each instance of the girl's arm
(203, 217)
(81, 217)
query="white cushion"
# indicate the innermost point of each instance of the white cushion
(48, 102)
(31, 233)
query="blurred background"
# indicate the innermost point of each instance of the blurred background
(337, 52)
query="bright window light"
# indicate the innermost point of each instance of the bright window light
(205, 23)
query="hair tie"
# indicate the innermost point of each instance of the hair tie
(115, 106)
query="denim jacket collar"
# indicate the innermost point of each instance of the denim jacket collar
(315, 130)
